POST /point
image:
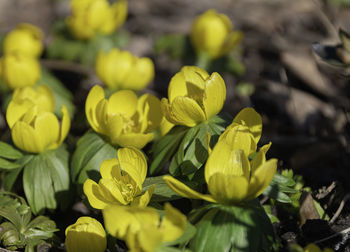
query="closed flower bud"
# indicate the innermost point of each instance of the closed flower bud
(86, 235)
(26, 40)
(19, 71)
(90, 17)
(194, 96)
(212, 34)
(122, 70)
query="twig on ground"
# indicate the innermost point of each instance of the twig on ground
(340, 208)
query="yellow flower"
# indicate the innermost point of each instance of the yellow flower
(230, 176)
(25, 98)
(34, 127)
(314, 248)
(26, 40)
(194, 96)
(142, 228)
(86, 235)
(212, 34)
(90, 17)
(121, 181)
(126, 120)
(122, 70)
(19, 71)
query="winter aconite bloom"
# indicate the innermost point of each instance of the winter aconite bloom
(86, 235)
(142, 228)
(231, 176)
(122, 70)
(212, 34)
(27, 97)
(25, 39)
(34, 127)
(121, 182)
(90, 17)
(193, 96)
(18, 70)
(126, 120)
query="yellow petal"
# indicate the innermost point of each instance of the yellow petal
(195, 79)
(173, 223)
(130, 219)
(150, 110)
(26, 138)
(262, 177)
(15, 110)
(231, 41)
(122, 65)
(133, 162)
(177, 86)
(43, 122)
(95, 95)
(259, 158)
(102, 116)
(92, 192)
(165, 126)
(183, 111)
(228, 161)
(239, 137)
(65, 125)
(252, 119)
(185, 191)
(123, 102)
(144, 199)
(134, 140)
(114, 127)
(228, 189)
(109, 168)
(111, 191)
(147, 239)
(143, 74)
(215, 95)
(120, 12)
(312, 248)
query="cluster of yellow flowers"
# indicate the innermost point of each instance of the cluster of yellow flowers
(90, 17)
(19, 66)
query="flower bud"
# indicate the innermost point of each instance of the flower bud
(19, 71)
(122, 70)
(86, 235)
(26, 40)
(212, 34)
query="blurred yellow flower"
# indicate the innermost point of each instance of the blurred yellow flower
(193, 96)
(126, 120)
(212, 34)
(25, 98)
(230, 176)
(90, 17)
(121, 182)
(19, 71)
(122, 70)
(25, 39)
(142, 228)
(314, 248)
(86, 235)
(34, 127)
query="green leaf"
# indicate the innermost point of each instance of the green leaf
(234, 228)
(7, 151)
(61, 94)
(163, 150)
(90, 152)
(46, 179)
(66, 49)
(273, 218)
(279, 187)
(174, 44)
(10, 177)
(7, 165)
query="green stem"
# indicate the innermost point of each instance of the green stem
(203, 60)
